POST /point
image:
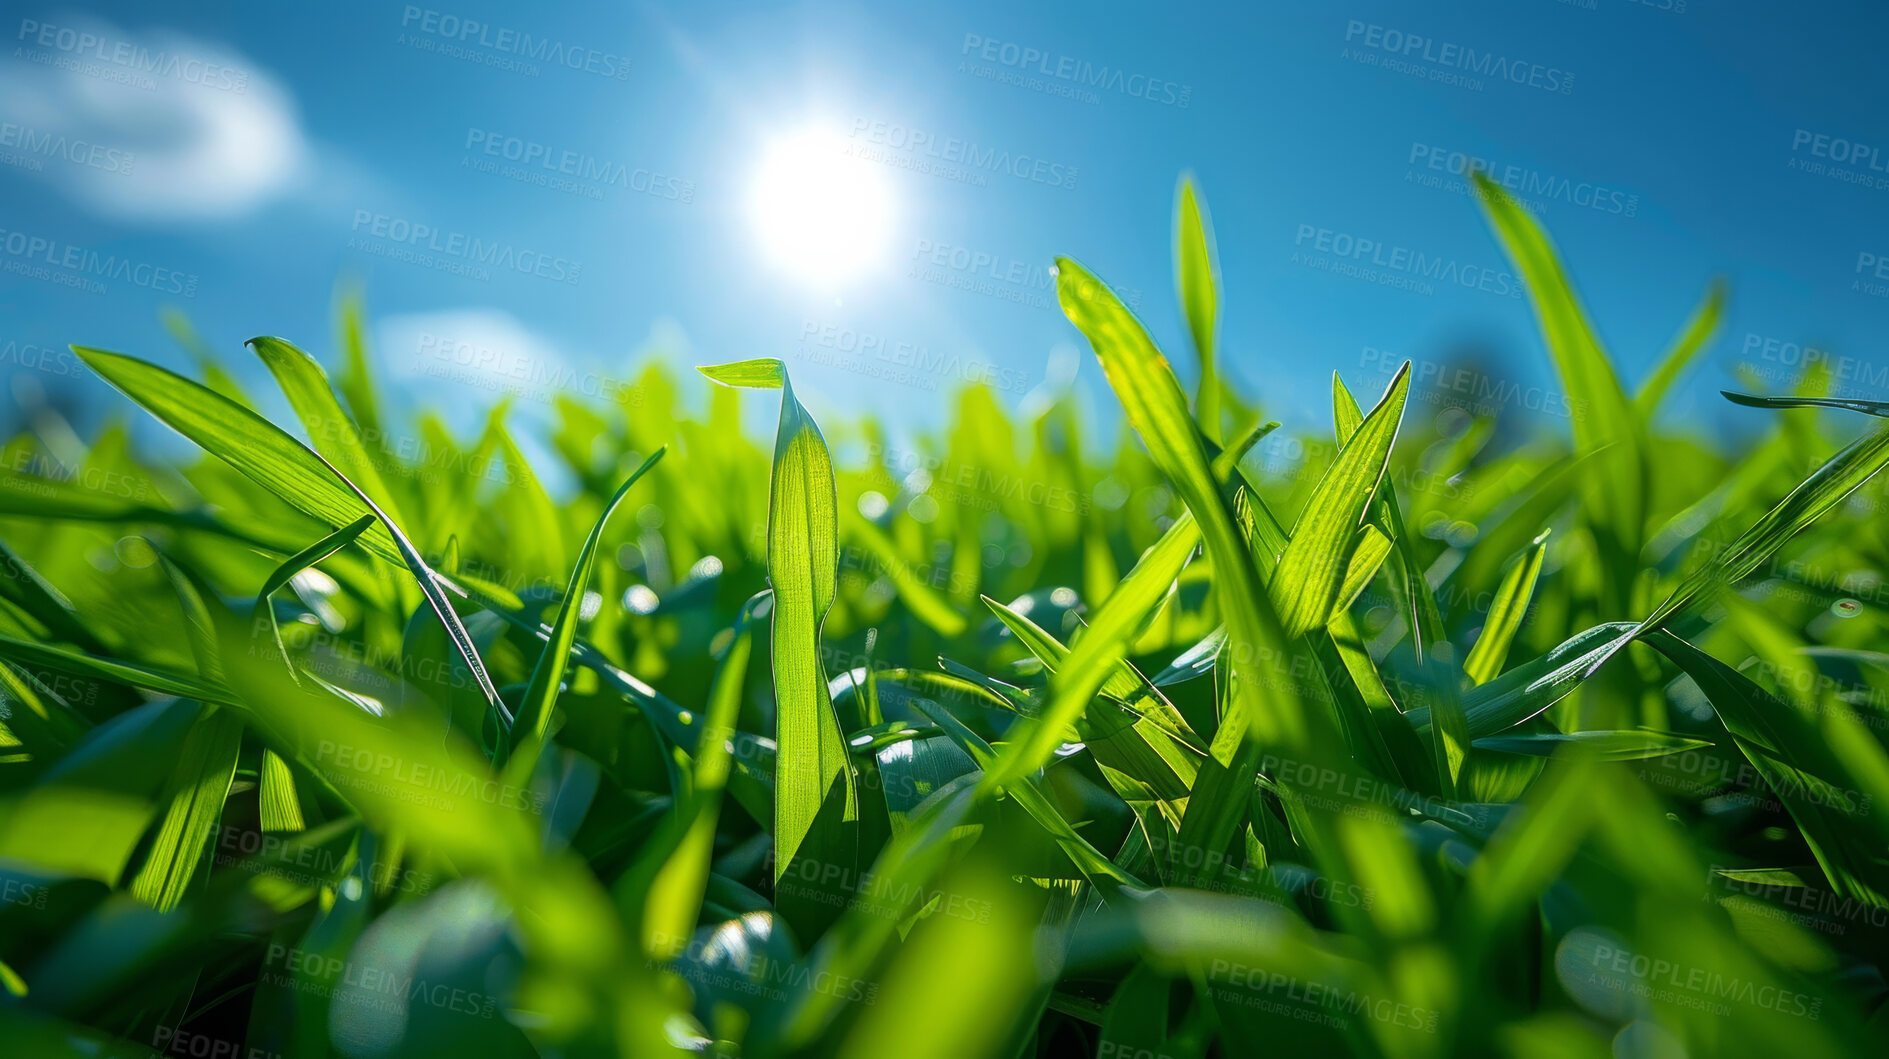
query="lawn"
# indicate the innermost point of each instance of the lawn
(1458, 728)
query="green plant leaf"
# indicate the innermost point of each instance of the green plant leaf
(1311, 569)
(1506, 611)
(198, 789)
(815, 800)
(1692, 340)
(547, 677)
(1825, 488)
(1197, 278)
(246, 441)
(295, 564)
(1630, 745)
(1873, 408)
(291, 470)
(331, 430)
(761, 374)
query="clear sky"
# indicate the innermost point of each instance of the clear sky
(542, 195)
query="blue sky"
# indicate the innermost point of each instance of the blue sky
(237, 160)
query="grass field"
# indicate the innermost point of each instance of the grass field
(1454, 730)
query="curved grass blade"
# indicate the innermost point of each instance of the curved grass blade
(1132, 728)
(1825, 488)
(1532, 687)
(1418, 600)
(1635, 744)
(1690, 343)
(1086, 857)
(330, 429)
(130, 674)
(678, 879)
(1151, 396)
(268, 455)
(1197, 277)
(1776, 741)
(199, 787)
(1311, 569)
(1090, 664)
(1506, 612)
(295, 564)
(1264, 708)
(430, 587)
(534, 710)
(1750, 400)
(258, 448)
(1616, 487)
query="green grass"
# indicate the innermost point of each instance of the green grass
(354, 739)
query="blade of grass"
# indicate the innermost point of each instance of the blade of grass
(1690, 343)
(1825, 488)
(246, 441)
(815, 800)
(1506, 612)
(295, 564)
(547, 677)
(199, 787)
(1197, 277)
(1311, 569)
(330, 429)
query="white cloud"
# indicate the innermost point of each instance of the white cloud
(460, 362)
(155, 126)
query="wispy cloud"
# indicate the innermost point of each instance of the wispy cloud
(153, 127)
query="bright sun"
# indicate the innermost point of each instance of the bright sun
(821, 215)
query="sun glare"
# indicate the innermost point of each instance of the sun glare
(819, 214)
